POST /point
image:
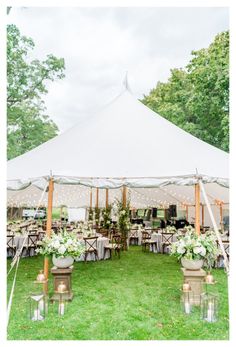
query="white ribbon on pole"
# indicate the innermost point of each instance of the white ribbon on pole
(226, 263)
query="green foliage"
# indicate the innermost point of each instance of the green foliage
(28, 126)
(90, 214)
(106, 216)
(97, 214)
(196, 98)
(136, 297)
(123, 216)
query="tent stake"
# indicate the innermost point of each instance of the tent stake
(215, 227)
(197, 208)
(49, 227)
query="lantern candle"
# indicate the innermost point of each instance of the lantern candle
(210, 312)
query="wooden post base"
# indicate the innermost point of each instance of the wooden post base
(195, 279)
(65, 276)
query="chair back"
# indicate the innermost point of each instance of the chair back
(116, 239)
(33, 240)
(167, 237)
(10, 241)
(91, 243)
(145, 236)
(133, 233)
(104, 232)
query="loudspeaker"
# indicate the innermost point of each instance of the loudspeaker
(154, 212)
(173, 211)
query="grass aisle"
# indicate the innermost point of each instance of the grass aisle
(136, 297)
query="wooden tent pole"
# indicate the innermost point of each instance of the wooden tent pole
(186, 206)
(221, 216)
(197, 208)
(49, 227)
(203, 215)
(91, 199)
(124, 199)
(97, 197)
(107, 197)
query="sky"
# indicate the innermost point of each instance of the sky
(100, 44)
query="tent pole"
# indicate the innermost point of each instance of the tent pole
(203, 215)
(49, 227)
(186, 206)
(97, 197)
(215, 227)
(107, 197)
(124, 194)
(221, 215)
(91, 199)
(197, 208)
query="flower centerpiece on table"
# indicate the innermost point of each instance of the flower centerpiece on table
(63, 247)
(85, 228)
(170, 229)
(194, 250)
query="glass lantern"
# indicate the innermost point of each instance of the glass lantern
(37, 306)
(209, 307)
(187, 298)
(61, 291)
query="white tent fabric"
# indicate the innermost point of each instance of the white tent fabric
(124, 143)
(123, 140)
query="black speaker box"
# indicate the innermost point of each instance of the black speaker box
(154, 212)
(173, 211)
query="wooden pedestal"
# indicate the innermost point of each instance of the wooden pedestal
(195, 279)
(65, 276)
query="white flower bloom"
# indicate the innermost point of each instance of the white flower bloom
(180, 250)
(202, 251)
(197, 250)
(62, 249)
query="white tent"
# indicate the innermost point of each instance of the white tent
(124, 143)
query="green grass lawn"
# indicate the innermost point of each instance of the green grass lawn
(136, 297)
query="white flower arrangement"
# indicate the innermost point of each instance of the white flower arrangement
(193, 247)
(170, 229)
(61, 245)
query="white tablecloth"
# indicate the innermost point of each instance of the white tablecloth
(157, 237)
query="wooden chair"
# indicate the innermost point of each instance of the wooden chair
(220, 256)
(166, 240)
(31, 244)
(115, 246)
(11, 247)
(104, 232)
(147, 242)
(91, 247)
(133, 236)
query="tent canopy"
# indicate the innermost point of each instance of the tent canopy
(124, 143)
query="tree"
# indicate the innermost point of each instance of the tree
(28, 126)
(196, 98)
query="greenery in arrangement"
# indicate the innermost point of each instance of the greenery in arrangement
(106, 216)
(97, 215)
(196, 98)
(122, 213)
(61, 245)
(136, 297)
(90, 214)
(193, 247)
(28, 126)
